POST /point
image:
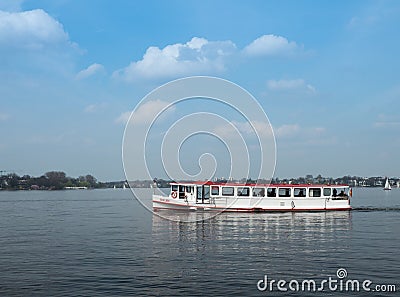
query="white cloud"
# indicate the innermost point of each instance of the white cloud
(264, 130)
(245, 129)
(4, 117)
(286, 133)
(285, 84)
(295, 131)
(363, 22)
(30, 30)
(271, 45)
(123, 117)
(198, 56)
(146, 112)
(95, 107)
(387, 121)
(367, 20)
(387, 124)
(287, 130)
(294, 84)
(311, 88)
(90, 71)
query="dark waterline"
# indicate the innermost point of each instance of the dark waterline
(105, 243)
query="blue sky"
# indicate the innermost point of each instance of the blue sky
(325, 72)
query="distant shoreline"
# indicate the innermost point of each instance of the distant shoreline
(112, 189)
(58, 180)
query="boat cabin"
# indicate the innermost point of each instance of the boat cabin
(203, 192)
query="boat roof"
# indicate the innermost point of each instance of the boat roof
(231, 184)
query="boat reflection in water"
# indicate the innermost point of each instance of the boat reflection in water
(250, 226)
(228, 253)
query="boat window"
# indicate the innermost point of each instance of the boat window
(206, 192)
(327, 191)
(315, 192)
(271, 192)
(214, 190)
(181, 192)
(284, 192)
(299, 192)
(258, 192)
(174, 187)
(243, 191)
(341, 192)
(189, 189)
(199, 192)
(227, 191)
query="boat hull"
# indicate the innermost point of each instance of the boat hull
(222, 204)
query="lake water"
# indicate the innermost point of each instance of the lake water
(105, 243)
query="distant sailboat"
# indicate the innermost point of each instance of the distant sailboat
(387, 185)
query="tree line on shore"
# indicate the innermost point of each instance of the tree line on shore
(52, 180)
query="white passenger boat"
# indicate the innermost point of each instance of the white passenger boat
(206, 196)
